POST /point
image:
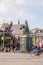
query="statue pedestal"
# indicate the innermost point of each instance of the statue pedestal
(25, 43)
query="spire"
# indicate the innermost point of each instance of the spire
(18, 21)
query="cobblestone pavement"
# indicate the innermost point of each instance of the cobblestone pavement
(20, 59)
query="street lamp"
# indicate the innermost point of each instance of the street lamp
(3, 34)
(3, 39)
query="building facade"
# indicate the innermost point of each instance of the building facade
(37, 34)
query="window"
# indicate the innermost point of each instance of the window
(23, 26)
(20, 28)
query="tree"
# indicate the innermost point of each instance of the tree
(8, 30)
(1, 41)
(7, 33)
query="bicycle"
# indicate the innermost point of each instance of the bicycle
(33, 52)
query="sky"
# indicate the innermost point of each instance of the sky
(30, 10)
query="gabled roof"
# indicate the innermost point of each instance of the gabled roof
(17, 28)
(35, 29)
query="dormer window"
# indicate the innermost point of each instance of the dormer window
(20, 28)
(23, 26)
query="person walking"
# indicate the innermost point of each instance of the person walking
(38, 49)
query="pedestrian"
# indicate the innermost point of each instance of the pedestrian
(38, 49)
(32, 44)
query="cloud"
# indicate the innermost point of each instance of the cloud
(15, 5)
(1, 20)
(23, 9)
(21, 12)
(19, 1)
(2, 8)
(34, 3)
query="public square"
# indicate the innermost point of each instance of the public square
(20, 59)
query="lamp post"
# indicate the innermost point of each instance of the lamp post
(3, 34)
(3, 39)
